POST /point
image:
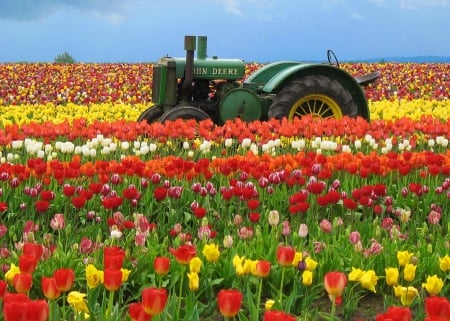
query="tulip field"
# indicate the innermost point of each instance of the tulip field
(106, 218)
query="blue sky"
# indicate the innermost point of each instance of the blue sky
(254, 30)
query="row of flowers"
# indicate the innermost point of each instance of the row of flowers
(29, 114)
(23, 84)
(328, 134)
(152, 301)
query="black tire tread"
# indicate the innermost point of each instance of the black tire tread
(307, 85)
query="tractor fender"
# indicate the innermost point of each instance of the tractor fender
(272, 77)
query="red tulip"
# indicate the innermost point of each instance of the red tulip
(161, 265)
(41, 206)
(154, 300)
(113, 257)
(33, 250)
(277, 316)
(335, 283)
(395, 314)
(229, 302)
(22, 282)
(437, 308)
(113, 262)
(112, 279)
(137, 313)
(285, 255)
(37, 310)
(15, 311)
(64, 279)
(49, 288)
(3, 287)
(262, 268)
(27, 264)
(184, 253)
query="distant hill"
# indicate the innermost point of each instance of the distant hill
(416, 59)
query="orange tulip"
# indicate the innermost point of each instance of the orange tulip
(161, 265)
(154, 300)
(262, 268)
(49, 288)
(22, 282)
(285, 255)
(229, 302)
(335, 283)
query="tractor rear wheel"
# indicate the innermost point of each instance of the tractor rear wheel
(151, 114)
(318, 96)
(184, 112)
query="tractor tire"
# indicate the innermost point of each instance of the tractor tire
(318, 96)
(151, 114)
(184, 112)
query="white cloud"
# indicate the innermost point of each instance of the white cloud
(232, 6)
(113, 18)
(356, 16)
(260, 9)
(416, 4)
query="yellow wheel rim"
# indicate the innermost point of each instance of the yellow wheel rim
(319, 106)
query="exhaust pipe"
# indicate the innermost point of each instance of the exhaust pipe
(189, 46)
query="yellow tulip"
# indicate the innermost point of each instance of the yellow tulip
(250, 266)
(76, 300)
(193, 281)
(238, 263)
(409, 272)
(195, 264)
(404, 257)
(269, 304)
(406, 294)
(355, 275)
(310, 264)
(13, 270)
(433, 285)
(444, 263)
(307, 278)
(94, 277)
(392, 275)
(369, 280)
(297, 258)
(211, 252)
(125, 275)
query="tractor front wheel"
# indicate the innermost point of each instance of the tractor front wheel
(318, 96)
(184, 112)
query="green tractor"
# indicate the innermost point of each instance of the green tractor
(200, 88)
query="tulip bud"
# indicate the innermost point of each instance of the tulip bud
(228, 241)
(274, 218)
(303, 230)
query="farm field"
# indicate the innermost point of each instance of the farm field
(106, 218)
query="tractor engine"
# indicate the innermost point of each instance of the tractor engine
(200, 82)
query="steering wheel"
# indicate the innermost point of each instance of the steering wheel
(332, 59)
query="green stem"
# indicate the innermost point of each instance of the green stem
(333, 309)
(258, 299)
(180, 293)
(64, 314)
(110, 305)
(282, 284)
